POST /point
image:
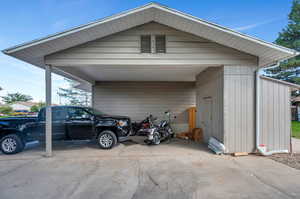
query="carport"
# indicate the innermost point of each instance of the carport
(204, 64)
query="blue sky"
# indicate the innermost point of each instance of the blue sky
(22, 21)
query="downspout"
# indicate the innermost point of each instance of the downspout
(261, 147)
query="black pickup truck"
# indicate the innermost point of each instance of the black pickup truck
(68, 123)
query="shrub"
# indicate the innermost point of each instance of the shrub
(6, 110)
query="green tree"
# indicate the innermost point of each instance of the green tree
(37, 108)
(74, 96)
(16, 97)
(6, 110)
(289, 37)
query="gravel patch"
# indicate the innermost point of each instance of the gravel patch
(292, 160)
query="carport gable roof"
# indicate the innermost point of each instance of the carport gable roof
(34, 52)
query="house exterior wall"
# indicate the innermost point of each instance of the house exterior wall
(138, 99)
(239, 108)
(123, 48)
(20, 107)
(275, 111)
(209, 92)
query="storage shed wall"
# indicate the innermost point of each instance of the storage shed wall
(209, 91)
(138, 99)
(239, 108)
(275, 111)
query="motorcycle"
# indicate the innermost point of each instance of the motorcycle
(161, 132)
(138, 128)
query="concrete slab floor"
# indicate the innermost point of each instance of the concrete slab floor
(180, 169)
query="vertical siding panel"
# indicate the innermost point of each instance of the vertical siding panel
(239, 108)
(231, 130)
(262, 112)
(262, 123)
(275, 117)
(281, 121)
(276, 108)
(235, 109)
(270, 114)
(267, 118)
(243, 107)
(225, 111)
(288, 122)
(249, 114)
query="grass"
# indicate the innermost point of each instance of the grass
(296, 129)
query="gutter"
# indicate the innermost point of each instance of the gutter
(261, 148)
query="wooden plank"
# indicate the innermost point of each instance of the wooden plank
(240, 154)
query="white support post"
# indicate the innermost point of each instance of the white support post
(48, 111)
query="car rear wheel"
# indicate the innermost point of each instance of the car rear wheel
(107, 139)
(11, 144)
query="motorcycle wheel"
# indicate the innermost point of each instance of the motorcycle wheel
(156, 138)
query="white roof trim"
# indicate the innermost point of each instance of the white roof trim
(73, 30)
(150, 5)
(281, 82)
(227, 30)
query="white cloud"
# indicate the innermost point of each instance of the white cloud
(251, 26)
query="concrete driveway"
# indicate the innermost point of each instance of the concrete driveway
(176, 170)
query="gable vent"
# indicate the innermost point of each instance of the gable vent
(160, 43)
(146, 44)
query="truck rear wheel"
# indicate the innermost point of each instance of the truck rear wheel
(11, 144)
(107, 139)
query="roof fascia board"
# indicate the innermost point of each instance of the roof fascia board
(227, 30)
(281, 82)
(157, 6)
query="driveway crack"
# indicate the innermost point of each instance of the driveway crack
(152, 180)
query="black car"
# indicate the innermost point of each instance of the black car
(68, 123)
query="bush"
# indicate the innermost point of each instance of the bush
(6, 110)
(36, 108)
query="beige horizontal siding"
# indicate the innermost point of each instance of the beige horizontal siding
(124, 48)
(209, 88)
(275, 115)
(139, 99)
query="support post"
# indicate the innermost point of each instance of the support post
(48, 111)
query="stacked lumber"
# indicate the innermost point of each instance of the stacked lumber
(183, 135)
(196, 135)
